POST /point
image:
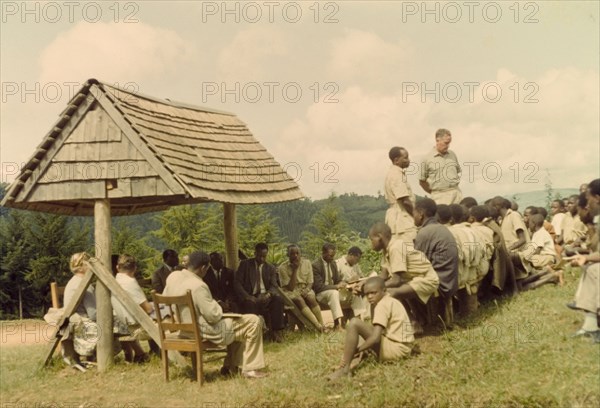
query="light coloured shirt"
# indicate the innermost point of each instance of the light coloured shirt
(541, 239)
(304, 276)
(511, 223)
(213, 327)
(402, 257)
(442, 172)
(557, 220)
(87, 307)
(262, 288)
(349, 273)
(390, 314)
(397, 187)
(572, 228)
(135, 292)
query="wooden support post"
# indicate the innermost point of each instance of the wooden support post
(231, 239)
(104, 314)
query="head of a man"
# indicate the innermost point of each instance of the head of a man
(380, 235)
(399, 157)
(443, 138)
(216, 261)
(528, 212)
(374, 289)
(76, 264)
(293, 253)
(443, 214)
(171, 258)
(557, 207)
(185, 261)
(572, 204)
(536, 222)
(425, 208)
(328, 252)
(458, 214)
(353, 256)
(261, 250)
(501, 205)
(199, 263)
(583, 210)
(479, 213)
(593, 197)
(126, 264)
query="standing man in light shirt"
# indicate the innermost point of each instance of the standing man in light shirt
(400, 197)
(440, 171)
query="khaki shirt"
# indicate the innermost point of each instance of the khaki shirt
(391, 315)
(304, 277)
(442, 172)
(402, 257)
(512, 222)
(396, 187)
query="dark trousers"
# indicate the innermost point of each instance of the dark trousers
(271, 311)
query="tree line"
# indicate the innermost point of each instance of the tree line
(35, 247)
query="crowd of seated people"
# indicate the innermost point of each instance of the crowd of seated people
(470, 249)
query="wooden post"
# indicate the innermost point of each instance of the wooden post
(231, 241)
(102, 229)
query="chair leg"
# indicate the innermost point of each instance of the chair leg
(165, 361)
(200, 373)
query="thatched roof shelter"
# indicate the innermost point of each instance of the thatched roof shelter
(145, 154)
(114, 152)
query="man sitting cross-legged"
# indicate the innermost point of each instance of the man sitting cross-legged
(407, 272)
(242, 335)
(390, 335)
(296, 276)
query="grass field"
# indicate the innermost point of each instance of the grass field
(510, 353)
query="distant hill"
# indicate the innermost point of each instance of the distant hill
(539, 198)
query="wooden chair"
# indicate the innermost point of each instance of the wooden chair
(56, 293)
(193, 345)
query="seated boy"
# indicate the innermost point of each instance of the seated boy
(390, 335)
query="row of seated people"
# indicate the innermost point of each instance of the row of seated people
(253, 288)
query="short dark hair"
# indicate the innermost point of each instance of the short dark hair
(479, 212)
(292, 246)
(582, 200)
(261, 246)
(594, 186)
(198, 259)
(532, 209)
(537, 219)
(543, 211)
(215, 255)
(356, 251)
(395, 151)
(327, 246)
(443, 213)
(458, 213)
(428, 206)
(468, 202)
(381, 228)
(501, 202)
(441, 133)
(561, 203)
(167, 253)
(376, 280)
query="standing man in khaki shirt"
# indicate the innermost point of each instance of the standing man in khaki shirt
(400, 197)
(440, 171)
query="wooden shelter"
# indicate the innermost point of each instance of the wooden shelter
(114, 152)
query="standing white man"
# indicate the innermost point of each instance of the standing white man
(399, 196)
(440, 171)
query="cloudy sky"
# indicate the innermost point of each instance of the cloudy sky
(329, 87)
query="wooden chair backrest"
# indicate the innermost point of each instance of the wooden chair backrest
(175, 304)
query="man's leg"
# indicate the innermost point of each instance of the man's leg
(306, 312)
(311, 302)
(354, 331)
(248, 331)
(332, 299)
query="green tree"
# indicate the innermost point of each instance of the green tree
(255, 224)
(188, 228)
(127, 238)
(327, 225)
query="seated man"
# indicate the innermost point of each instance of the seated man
(438, 245)
(126, 268)
(296, 281)
(406, 271)
(255, 285)
(538, 256)
(587, 297)
(349, 268)
(390, 335)
(470, 250)
(242, 335)
(485, 237)
(329, 286)
(159, 277)
(572, 227)
(220, 281)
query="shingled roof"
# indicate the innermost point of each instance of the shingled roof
(145, 154)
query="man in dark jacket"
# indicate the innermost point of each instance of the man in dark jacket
(220, 282)
(159, 277)
(328, 282)
(256, 285)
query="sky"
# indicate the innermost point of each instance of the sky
(329, 87)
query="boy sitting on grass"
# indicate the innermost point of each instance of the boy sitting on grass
(390, 334)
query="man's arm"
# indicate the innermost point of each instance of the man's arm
(406, 204)
(157, 283)
(520, 242)
(425, 186)
(238, 280)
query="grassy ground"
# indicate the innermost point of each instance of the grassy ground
(511, 353)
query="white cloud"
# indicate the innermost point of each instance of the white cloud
(113, 52)
(245, 58)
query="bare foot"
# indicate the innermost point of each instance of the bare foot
(338, 374)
